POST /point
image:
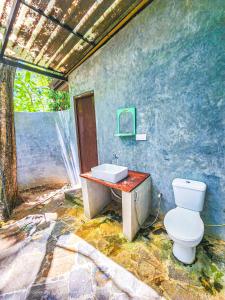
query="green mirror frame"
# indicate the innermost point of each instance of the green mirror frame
(132, 111)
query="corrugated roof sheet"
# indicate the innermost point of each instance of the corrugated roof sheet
(39, 40)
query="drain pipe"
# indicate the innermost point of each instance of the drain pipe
(118, 197)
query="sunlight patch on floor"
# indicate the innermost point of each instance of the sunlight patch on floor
(149, 257)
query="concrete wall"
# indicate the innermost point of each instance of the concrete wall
(43, 148)
(168, 62)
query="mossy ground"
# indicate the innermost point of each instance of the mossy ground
(149, 257)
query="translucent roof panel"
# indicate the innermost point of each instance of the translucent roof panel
(58, 34)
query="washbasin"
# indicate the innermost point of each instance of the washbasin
(109, 172)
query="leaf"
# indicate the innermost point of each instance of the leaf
(27, 76)
(32, 93)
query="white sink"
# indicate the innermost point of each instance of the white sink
(109, 172)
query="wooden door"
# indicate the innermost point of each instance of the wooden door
(86, 132)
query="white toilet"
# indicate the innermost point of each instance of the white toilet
(183, 223)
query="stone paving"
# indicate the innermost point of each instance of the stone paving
(72, 268)
(41, 259)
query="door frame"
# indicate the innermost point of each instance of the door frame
(83, 95)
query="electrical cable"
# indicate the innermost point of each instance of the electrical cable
(136, 198)
(157, 215)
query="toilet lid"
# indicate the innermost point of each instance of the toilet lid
(184, 224)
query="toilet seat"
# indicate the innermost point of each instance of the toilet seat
(184, 224)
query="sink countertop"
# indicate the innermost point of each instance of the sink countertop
(128, 184)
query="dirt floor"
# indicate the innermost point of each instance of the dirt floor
(149, 257)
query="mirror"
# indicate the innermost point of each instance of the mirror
(126, 121)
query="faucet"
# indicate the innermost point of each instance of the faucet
(115, 157)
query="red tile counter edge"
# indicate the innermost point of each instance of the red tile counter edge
(128, 184)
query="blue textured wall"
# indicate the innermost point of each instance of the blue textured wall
(39, 153)
(168, 62)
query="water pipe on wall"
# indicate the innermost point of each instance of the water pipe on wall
(116, 158)
(214, 225)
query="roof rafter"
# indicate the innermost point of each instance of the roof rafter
(61, 54)
(9, 26)
(31, 67)
(57, 22)
(118, 27)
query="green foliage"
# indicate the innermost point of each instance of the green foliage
(32, 93)
(59, 100)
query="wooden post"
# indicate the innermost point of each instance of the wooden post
(8, 167)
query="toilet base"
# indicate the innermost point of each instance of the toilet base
(184, 254)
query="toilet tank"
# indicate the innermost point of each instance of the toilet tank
(189, 194)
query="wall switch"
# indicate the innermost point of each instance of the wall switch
(141, 137)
